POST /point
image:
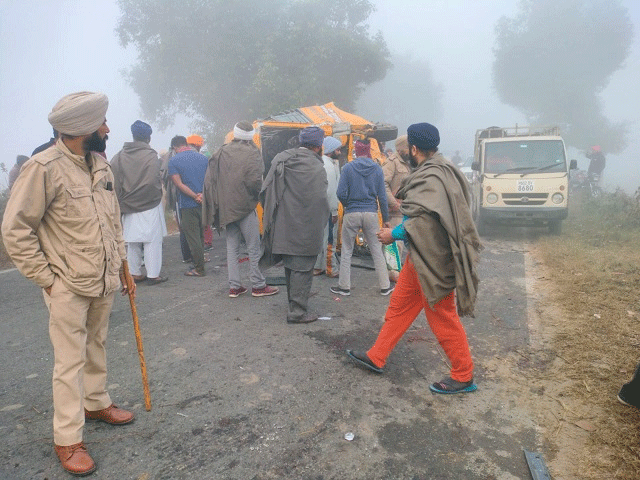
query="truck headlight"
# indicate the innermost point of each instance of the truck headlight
(557, 198)
(492, 197)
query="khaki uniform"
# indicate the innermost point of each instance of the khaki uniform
(62, 229)
(395, 170)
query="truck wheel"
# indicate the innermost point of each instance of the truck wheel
(555, 227)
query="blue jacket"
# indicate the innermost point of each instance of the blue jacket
(361, 187)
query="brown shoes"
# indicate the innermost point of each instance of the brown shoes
(75, 459)
(112, 415)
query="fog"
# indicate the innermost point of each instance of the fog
(51, 48)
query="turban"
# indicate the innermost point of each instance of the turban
(423, 135)
(331, 144)
(402, 143)
(363, 149)
(311, 136)
(195, 140)
(243, 131)
(79, 114)
(141, 129)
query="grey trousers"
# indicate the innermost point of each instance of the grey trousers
(298, 271)
(249, 229)
(351, 224)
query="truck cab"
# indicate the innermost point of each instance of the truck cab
(522, 177)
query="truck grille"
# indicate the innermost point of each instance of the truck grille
(525, 199)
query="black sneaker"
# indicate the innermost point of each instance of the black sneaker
(340, 291)
(387, 291)
(627, 398)
(630, 392)
(306, 318)
(363, 360)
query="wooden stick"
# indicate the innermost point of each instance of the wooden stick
(136, 329)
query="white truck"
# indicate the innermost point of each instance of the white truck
(521, 177)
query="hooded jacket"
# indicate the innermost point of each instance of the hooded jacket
(361, 187)
(138, 181)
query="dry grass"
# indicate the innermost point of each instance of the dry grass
(594, 268)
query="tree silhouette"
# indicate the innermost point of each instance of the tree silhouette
(227, 60)
(554, 59)
(407, 94)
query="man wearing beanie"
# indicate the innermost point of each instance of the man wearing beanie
(361, 190)
(294, 198)
(396, 168)
(138, 185)
(331, 154)
(62, 230)
(232, 186)
(441, 268)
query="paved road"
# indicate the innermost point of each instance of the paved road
(239, 394)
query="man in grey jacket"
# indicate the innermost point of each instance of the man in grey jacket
(231, 188)
(294, 196)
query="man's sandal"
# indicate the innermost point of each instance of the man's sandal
(449, 386)
(193, 273)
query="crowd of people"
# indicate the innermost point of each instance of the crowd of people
(73, 220)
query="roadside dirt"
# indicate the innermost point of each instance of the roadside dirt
(583, 291)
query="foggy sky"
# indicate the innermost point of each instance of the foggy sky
(51, 48)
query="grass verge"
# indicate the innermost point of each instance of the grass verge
(594, 270)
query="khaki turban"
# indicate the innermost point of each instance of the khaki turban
(79, 114)
(402, 143)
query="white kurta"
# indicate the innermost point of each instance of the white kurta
(144, 227)
(143, 232)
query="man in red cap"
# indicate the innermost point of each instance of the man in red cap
(442, 264)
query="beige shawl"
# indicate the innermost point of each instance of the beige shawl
(444, 244)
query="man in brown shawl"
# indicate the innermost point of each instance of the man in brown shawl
(294, 198)
(232, 186)
(442, 264)
(138, 185)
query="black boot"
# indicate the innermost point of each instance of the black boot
(630, 392)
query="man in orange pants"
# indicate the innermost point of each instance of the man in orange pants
(442, 264)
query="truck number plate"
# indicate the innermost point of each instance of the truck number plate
(525, 186)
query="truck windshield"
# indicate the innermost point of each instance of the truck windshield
(525, 156)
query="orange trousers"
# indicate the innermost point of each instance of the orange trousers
(405, 305)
